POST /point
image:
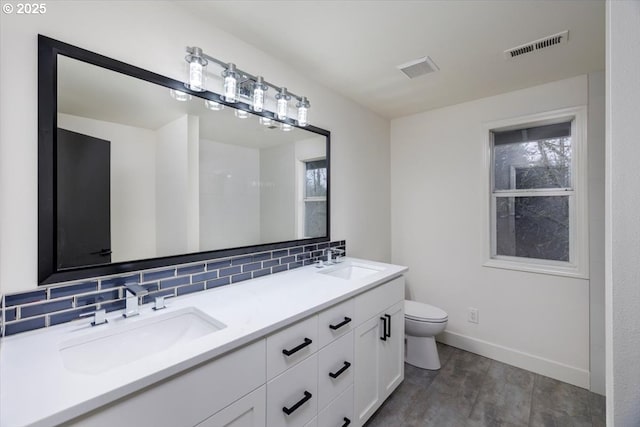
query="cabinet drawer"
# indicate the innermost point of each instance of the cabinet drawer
(335, 369)
(294, 341)
(295, 392)
(336, 321)
(377, 299)
(312, 423)
(250, 411)
(339, 412)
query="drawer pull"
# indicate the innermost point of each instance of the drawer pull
(301, 402)
(340, 371)
(388, 325)
(341, 324)
(306, 342)
(347, 421)
(384, 329)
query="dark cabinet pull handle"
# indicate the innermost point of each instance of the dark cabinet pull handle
(306, 342)
(301, 402)
(388, 325)
(340, 371)
(384, 329)
(347, 421)
(341, 324)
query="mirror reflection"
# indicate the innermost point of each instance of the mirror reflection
(144, 172)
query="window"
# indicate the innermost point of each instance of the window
(537, 195)
(315, 198)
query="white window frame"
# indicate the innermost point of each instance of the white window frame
(301, 170)
(578, 264)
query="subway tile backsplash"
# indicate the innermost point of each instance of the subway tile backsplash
(26, 311)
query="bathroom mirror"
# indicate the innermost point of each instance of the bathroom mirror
(136, 171)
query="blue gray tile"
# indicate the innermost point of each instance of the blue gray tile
(218, 264)
(270, 263)
(218, 282)
(97, 297)
(229, 271)
(189, 289)
(156, 275)
(68, 316)
(261, 256)
(280, 253)
(24, 326)
(47, 307)
(176, 281)
(293, 265)
(252, 266)
(204, 276)
(240, 277)
(241, 260)
(263, 272)
(191, 269)
(79, 288)
(323, 245)
(296, 250)
(120, 281)
(151, 287)
(310, 248)
(303, 256)
(279, 268)
(287, 260)
(113, 306)
(24, 298)
(10, 314)
(151, 297)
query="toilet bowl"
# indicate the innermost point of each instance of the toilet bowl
(422, 322)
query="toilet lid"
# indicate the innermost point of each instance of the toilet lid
(423, 312)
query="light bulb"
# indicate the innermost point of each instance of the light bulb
(303, 111)
(213, 105)
(282, 109)
(241, 114)
(285, 127)
(179, 96)
(258, 99)
(266, 121)
(196, 80)
(230, 85)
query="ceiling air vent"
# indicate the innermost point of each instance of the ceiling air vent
(418, 67)
(535, 45)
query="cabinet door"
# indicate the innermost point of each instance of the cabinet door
(292, 397)
(250, 411)
(367, 369)
(392, 350)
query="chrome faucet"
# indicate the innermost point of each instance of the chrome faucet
(132, 293)
(339, 253)
(329, 252)
(99, 317)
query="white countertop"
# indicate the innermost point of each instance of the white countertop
(37, 390)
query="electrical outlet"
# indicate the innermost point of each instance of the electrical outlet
(473, 315)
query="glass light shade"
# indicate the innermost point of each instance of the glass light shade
(179, 96)
(213, 105)
(282, 108)
(266, 121)
(303, 113)
(230, 87)
(285, 127)
(258, 98)
(196, 76)
(241, 114)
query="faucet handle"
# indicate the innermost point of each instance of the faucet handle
(159, 303)
(99, 316)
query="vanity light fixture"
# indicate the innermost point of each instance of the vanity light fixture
(235, 79)
(197, 66)
(179, 96)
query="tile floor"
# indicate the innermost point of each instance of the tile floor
(471, 390)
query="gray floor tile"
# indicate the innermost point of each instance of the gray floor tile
(473, 391)
(505, 397)
(559, 404)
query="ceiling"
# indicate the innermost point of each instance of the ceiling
(353, 47)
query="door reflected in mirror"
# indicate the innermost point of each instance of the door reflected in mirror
(174, 174)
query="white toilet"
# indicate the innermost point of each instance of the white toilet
(422, 322)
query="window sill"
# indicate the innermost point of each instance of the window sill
(540, 267)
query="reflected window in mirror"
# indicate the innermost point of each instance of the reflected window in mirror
(315, 198)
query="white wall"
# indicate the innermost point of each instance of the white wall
(153, 36)
(622, 207)
(133, 176)
(229, 195)
(539, 322)
(277, 193)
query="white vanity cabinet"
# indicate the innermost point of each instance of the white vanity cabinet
(250, 411)
(379, 347)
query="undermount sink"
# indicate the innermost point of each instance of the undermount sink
(351, 271)
(114, 346)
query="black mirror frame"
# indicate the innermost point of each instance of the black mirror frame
(48, 273)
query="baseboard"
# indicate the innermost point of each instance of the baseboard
(510, 356)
